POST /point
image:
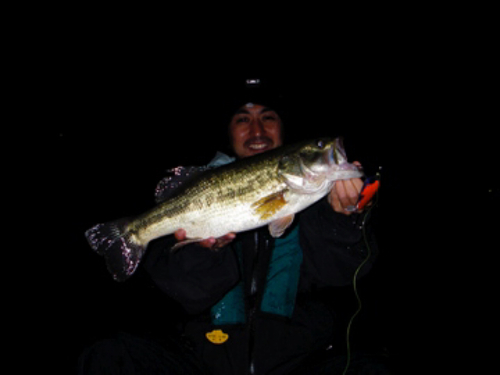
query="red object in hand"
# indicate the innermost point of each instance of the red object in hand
(369, 189)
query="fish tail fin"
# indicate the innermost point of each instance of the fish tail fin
(118, 246)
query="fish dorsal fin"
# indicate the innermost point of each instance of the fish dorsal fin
(278, 227)
(175, 179)
(270, 204)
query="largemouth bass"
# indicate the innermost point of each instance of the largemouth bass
(265, 189)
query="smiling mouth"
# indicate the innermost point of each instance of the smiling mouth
(258, 146)
(261, 144)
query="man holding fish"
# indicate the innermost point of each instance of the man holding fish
(248, 289)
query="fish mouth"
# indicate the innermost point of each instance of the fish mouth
(258, 145)
(337, 160)
(339, 150)
(336, 154)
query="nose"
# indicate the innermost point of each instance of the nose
(256, 128)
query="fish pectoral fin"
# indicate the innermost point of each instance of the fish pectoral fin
(180, 244)
(278, 227)
(269, 205)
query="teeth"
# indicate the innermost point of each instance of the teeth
(258, 146)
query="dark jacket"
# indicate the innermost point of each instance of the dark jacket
(251, 304)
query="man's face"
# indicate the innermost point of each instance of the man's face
(254, 129)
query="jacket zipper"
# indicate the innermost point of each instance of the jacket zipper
(261, 245)
(253, 307)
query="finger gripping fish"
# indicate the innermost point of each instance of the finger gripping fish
(265, 189)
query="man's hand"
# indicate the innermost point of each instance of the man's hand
(209, 243)
(345, 193)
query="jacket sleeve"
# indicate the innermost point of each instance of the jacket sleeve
(333, 246)
(194, 276)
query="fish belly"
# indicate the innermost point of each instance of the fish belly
(230, 216)
(243, 217)
(216, 223)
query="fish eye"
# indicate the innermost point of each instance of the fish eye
(320, 144)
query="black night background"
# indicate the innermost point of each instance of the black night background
(112, 129)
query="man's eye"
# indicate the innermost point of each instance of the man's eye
(269, 118)
(241, 120)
